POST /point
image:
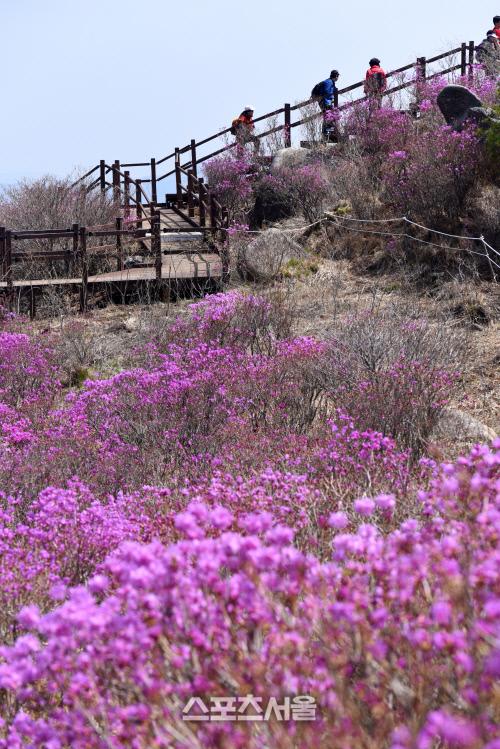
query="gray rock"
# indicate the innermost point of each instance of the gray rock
(263, 258)
(458, 105)
(454, 101)
(462, 427)
(131, 324)
(289, 157)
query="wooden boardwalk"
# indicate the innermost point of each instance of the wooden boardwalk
(168, 249)
(198, 266)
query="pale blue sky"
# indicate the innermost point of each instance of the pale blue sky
(131, 79)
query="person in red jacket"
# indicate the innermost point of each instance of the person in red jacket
(243, 128)
(496, 26)
(375, 82)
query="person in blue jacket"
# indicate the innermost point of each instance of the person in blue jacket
(324, 94)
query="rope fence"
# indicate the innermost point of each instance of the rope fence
(337, 220)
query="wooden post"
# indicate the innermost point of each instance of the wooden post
(126, 188)
(190, 199)
(213, 216)
(421, 69)
(154, 195)
(32, 303)
(463, 59)
(472, 48)
(85, 269)
(119, 244)
(74, 251)
(203, 190)
(3, 251)
(420, 73)
(225, 246)
(178, 178)
(193, 158)
(288, 126)
(116, 181)
(8, 266)
(336, 97)
(138, 202)
(156, 242)
(102, 175)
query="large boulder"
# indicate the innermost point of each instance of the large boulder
(289, 157)
(262, 259)
(459, 105)
(460, 426)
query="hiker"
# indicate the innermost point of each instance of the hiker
(496, 26)
(375, 83)
(488, 54)
(243, 129)
(324, 94)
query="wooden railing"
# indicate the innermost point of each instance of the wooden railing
(75, 256)
(182, 163)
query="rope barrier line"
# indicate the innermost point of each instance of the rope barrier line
(403, 219)
(423, 241)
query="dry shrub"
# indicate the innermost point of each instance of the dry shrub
(400, 369)
(53, 203)
(355, 182)
(78, 350)
(482, 207)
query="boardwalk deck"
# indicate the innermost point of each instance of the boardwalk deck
(195, 265)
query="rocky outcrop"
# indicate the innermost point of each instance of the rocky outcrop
(263, 258)
(458, 105)
(289, 157)
(460, 426)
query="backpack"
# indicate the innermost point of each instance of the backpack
(375, 81)
(234, 126)
(318, 90)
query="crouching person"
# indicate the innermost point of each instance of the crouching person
(243, 128)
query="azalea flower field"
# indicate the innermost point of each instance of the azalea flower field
(231, 517)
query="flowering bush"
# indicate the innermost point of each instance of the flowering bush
(396, 637)
(307, 187)
(228, 177)
(436, 163)
(233, 531)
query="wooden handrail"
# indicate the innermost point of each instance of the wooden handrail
(418, 66)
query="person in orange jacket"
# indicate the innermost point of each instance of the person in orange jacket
(375, 82)
(243, 128)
